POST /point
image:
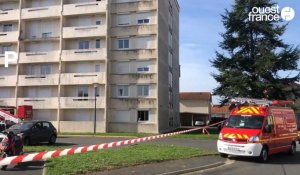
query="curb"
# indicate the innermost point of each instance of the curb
(44, 170)
(214, 165)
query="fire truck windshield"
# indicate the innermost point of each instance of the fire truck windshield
(247, 122)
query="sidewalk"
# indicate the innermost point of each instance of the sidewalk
(169, 167)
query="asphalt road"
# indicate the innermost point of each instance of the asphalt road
(279, 164)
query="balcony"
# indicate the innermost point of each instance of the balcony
(81, 102)
(84, 31)
(39, 57)
(38, 80)
(41, 37)
(85, 8)
(134, 78)
(136, 54)
(41, 12)
(145, 103)
(84, 55)
(8, 37)
(9, 80)
(40, 103)
(82, 78)
(134, 6)
(7, 102)
(10, 15)
(134, 30)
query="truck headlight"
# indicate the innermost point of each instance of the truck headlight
(253, 139)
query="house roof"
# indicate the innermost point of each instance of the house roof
(218, 109)
(195, 96)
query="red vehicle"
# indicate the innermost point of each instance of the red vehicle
(10, 145)
(258, 131)
(9, 116)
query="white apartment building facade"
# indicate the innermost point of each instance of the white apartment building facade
(124, 53)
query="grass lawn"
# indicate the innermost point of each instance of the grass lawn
(214, 135)
(115, 134)
(119, 157)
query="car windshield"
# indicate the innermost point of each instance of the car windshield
(249, 122)
(21, 126)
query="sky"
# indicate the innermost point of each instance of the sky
(200, 28)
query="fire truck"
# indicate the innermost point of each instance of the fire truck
(10, 115)
(258, 128)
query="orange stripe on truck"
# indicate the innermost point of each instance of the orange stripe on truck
(239, 136)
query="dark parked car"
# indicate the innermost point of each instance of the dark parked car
(35, 132)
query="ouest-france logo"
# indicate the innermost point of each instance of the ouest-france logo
(271, 13)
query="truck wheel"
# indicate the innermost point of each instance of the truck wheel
(223, 155)
(264, 155)
(292, 151)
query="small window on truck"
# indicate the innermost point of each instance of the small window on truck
(269, 120)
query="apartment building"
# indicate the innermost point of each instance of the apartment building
(118, 59)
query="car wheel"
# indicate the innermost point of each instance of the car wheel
(264, 155)
(224, 155)
(27, 141)
(292, 151)
(52, 140)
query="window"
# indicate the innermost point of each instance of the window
(5, 49)
(7, 27)
(143, 116)
(97, 91)
(143, 69)
(83, 91)
(32, 70)
(98, 22)
(170, 80)
(45, 69)
(143, 21)
(37, 126)
(123, 91)
(170, 40)
(46, 125)
(123, 43)
(170, 60)
(97, 68)
(123, 19)
(143, 90)
(84, 44)
(98, 43)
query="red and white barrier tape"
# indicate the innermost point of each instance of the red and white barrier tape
(58, 153)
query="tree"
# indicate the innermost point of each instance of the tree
(255, 55)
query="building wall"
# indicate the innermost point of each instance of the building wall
(168, 70)
(195, 106)
(65, 48)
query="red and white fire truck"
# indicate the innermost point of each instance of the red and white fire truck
(258, 129)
